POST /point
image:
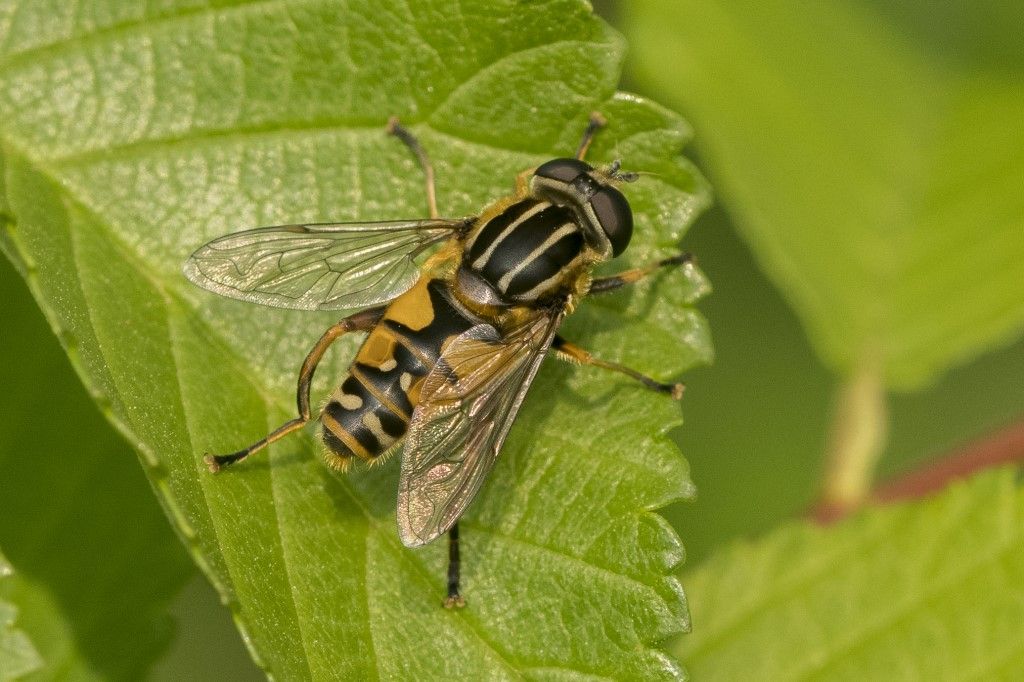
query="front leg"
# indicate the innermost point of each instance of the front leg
(603, 285)
(573, 353)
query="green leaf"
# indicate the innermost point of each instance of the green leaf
(131, 136)
(17, 655)
(97, 562)
(784, 393)
(930, 590)
(870, 155)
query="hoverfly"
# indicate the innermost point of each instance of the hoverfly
(459, 315)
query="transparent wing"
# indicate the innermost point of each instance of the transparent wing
(317, 267)
(466, 407)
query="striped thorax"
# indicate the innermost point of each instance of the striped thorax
(533, 246)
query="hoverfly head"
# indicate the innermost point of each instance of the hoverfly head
(605, 216)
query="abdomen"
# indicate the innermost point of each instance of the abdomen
(369, 413)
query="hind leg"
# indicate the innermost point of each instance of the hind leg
(454, 600)
(361, 321)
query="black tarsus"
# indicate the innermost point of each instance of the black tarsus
(575, 353)
(603, 285)
(454, 599)
(595, 123)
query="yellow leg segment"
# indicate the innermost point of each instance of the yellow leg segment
(573, 353)
(362, 321)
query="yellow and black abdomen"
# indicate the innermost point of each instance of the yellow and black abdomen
(369, 413)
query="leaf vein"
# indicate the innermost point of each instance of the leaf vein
(61, 47)
(560, 555)
(819, 572)
(909, 607)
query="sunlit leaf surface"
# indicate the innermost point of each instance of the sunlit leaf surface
(134, 133)
(925, 591)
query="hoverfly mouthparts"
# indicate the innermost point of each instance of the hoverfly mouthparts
(606, 216)
(458, 315)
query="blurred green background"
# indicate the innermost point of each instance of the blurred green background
(92, 551)
(756, 421)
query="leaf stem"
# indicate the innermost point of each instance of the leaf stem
(857, 437)
(992, 450)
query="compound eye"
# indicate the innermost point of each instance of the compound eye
(565, 170)
(615, 216)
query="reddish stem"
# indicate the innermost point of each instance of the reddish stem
(1001, 447)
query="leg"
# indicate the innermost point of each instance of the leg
(403, 134)
(362, 321)
(596, 122)
(454, 599)
(573, 353)
(604, 284)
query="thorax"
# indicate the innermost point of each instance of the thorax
(522, 253)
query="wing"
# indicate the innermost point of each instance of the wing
(466, 407)
(318, 267)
